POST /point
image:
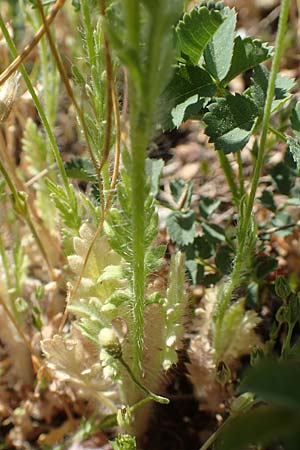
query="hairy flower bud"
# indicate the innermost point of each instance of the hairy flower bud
(109, 341)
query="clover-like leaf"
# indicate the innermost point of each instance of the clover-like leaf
(195, 31)
(230, 121)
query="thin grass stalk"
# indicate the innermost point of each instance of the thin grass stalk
(19, 59)
(40, 110)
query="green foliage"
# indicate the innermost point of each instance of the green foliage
(217, 55)
(124, 442)
(195, 31)
(230, 121)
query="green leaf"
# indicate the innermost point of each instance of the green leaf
(181, 227)
(281, 177)
(224, 259)
(267, 199)
(263, 265)
(177, 190)
(282, 219)
(213, 233)
(247, 53)
(275, 382)
(294, 147)
(208, 206)
(295, 120)
(258, 89)
(195, 31)
(195, 271)
(261, 425)
(219, 50)
(154, 168)
(124, 442)
(186, 95)
(230, 121)
(81, 169)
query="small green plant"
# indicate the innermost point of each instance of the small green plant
(120, 327)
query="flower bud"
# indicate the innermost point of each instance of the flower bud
(124, 417)
(282, 288)
(242, 403)
(223, 374)
(109, 341)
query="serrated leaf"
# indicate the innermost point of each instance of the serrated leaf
(178, 188)
(195, 30)
(282, 219)
(213, 233)
(263, 265)
(294, 148)
(230, 121)
(181, 227)
(154, 168)
(282, 178)
(267, 199)
(186, 95)
(80, 169)
(195, 271)
(247, 53)
(224, 259)
(295, 120)
(207, 206)
(219, 50)
(258, 89)
(275, 382)
(261, 425)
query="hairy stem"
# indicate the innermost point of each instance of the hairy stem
(229, 175)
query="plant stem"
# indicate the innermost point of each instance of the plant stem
(285, 4)
(229, 175)
(235, 277)
(39, 108)
(241, 174)
(155, 397)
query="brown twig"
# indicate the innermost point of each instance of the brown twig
(29, 47)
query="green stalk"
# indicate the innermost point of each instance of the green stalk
(39, 108)
(138, 180)
(241, 174)
(132, 18)
(229, 175)
(284, 12)
(235, 277)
